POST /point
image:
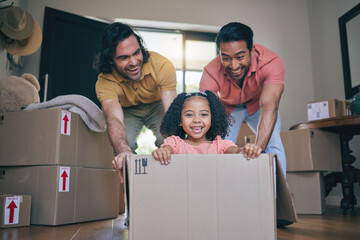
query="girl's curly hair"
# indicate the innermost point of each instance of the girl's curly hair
(220, 119)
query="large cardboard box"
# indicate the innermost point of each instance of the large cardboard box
(63, 194)
(327, 109)
(312, 150)
(308, 190)
(14, 210)
(51, 136)
(218, 196)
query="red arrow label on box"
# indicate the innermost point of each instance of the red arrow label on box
(12, 207)
(65, 119)
(65, 122)
(64, 176)
(64, 179)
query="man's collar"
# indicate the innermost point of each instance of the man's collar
(254, 63)
(146, 69)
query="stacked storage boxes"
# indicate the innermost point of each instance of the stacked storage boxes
(310, 153)
(52, 156)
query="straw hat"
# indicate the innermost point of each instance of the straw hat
(16, 23)
(28, 45)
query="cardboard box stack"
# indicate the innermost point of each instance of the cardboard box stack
(213, 196)
(52, 156)
(309, 154)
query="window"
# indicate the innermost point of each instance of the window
(197, 55)
(188, 51)
(168, 44)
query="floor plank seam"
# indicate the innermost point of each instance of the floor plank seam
(76, 233)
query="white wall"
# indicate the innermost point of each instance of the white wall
(325, 46)
(304, 33)
(327, 64)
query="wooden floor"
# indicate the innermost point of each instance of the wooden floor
(330, 226)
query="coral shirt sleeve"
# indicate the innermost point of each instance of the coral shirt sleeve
(274, 72)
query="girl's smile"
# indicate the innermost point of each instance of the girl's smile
(196, 119)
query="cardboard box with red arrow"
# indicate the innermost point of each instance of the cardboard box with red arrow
(15, 210)
(51, 137)
(64, 194)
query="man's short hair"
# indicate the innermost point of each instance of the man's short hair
(235, 31)
(115, 33)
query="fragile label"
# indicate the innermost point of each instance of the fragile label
(64, 179)
(65, 122)
(140, 166)
(12, 210)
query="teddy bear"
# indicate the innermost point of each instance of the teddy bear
(18, 92)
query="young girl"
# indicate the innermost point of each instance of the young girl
(195, 123)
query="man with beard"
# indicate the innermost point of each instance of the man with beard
(249, 80)
(135, 88)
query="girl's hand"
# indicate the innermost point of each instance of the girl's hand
(252, 150)
(163, 155)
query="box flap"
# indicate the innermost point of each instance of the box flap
(126, 186)
(284, 202)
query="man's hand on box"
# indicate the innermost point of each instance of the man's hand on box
(117, 164)
(252, 150)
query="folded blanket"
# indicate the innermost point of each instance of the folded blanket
(89, 112)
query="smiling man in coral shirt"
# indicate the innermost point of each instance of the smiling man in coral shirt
(249, 80)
